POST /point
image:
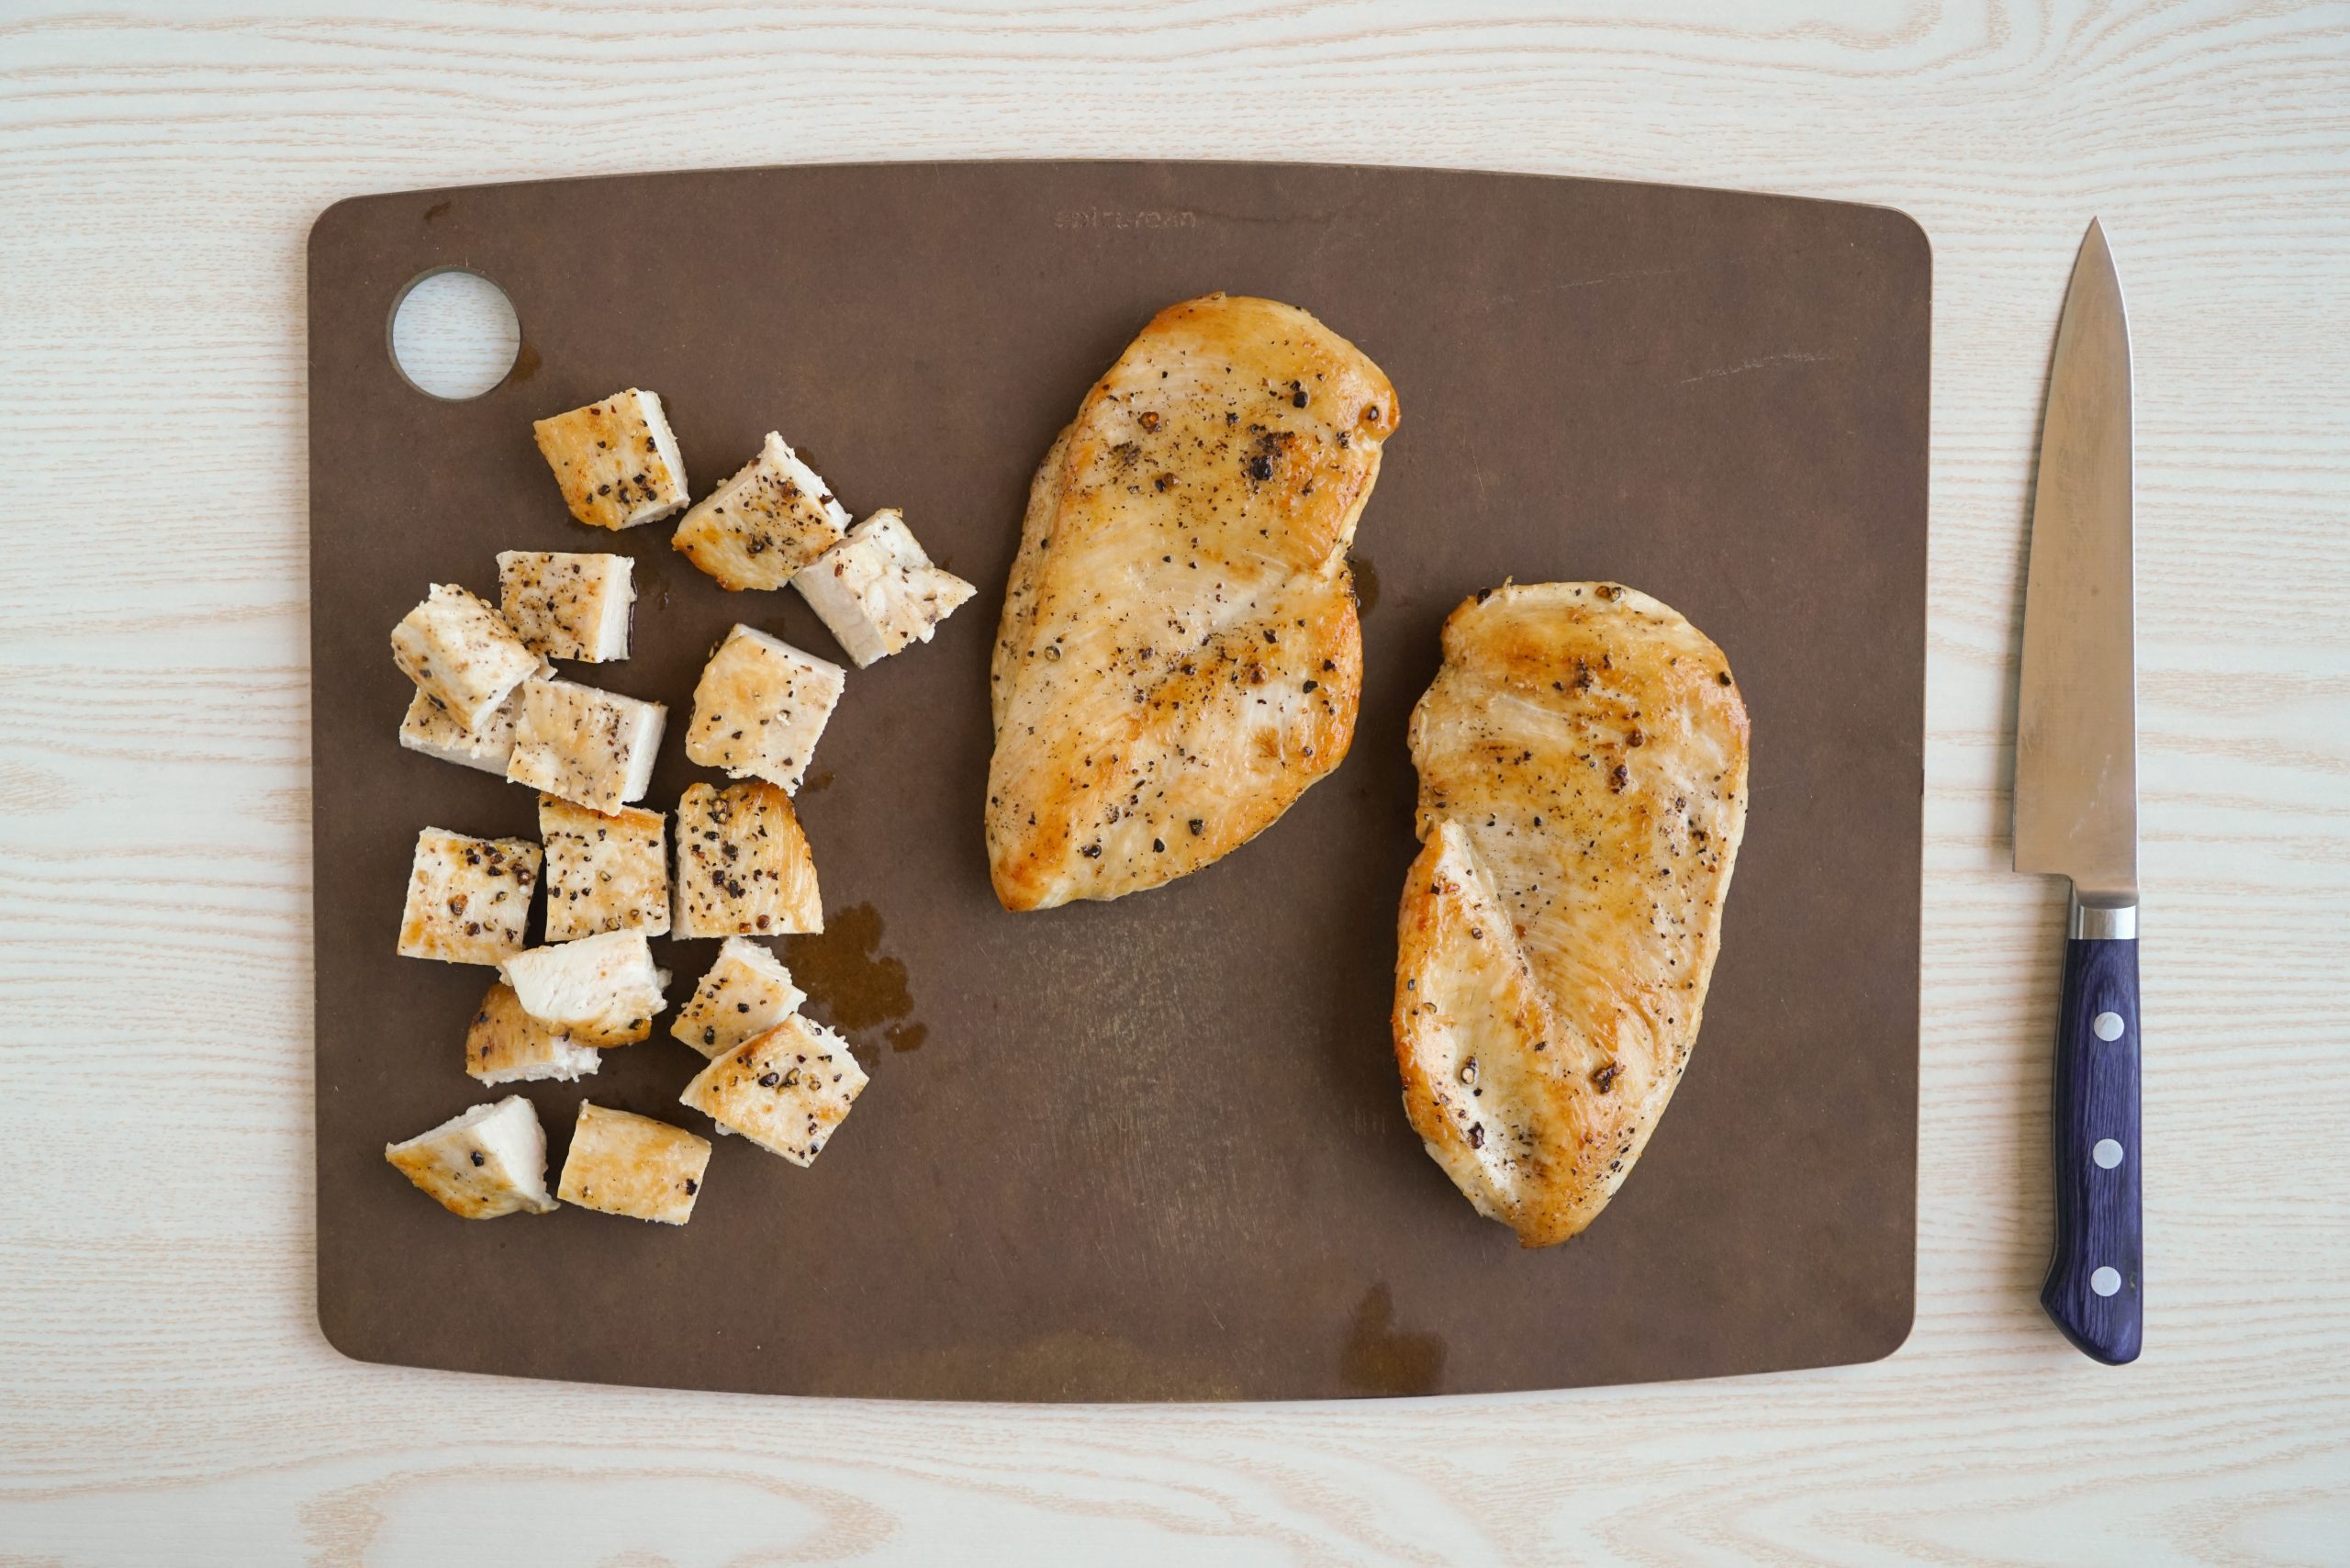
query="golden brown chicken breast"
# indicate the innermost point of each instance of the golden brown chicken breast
(1179, 656)
(1583, 791)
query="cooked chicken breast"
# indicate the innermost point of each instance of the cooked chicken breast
(1583, 792)
(469, 899)
(762, 526)
(482, 1164)
(746, 991)
(431, 729)
(786, 1090)
(760, 706)
(593, 749)
(877, 591)
(743, 865)
(506, 1045)
(1179, 656)
(605, 870)
(568, 605)
(601, 990)
(463, 654)
(622, 1163)
(616, 460)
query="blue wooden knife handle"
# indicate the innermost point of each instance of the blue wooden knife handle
(2095, 1289)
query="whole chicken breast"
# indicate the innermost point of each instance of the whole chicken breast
(1582, 757)
(1179, 656)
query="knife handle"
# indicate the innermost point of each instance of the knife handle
(2095, 1281)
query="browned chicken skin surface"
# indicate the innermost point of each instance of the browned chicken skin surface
(1179, 656)
(1582, 758)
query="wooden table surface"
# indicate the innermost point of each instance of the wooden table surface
(165, 1393)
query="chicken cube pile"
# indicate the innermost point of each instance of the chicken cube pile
(487, 695)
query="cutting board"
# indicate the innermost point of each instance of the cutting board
(1154, 1149)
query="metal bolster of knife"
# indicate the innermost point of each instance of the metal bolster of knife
(2096, 919)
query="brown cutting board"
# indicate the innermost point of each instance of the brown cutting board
(1150, 1150)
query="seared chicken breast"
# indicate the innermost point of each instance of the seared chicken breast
(482, 1164)
(1583, 792)
(622, 1163)
(1179, 656)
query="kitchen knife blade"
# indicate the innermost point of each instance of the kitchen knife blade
(2077, 804)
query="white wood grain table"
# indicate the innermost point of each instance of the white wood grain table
(164, 1394)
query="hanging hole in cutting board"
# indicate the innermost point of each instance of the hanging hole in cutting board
(453, 334)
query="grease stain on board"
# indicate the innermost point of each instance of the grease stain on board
(1378, 1358)
(1366, 584)
(857, 986)
(652, 584)
(436, 212)
(526, 363)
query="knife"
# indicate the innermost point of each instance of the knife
(2076, 804)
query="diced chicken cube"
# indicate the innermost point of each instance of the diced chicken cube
(461, 653)
(622, 1163)
(602, 991)
(744, 866)
(747, 991)
(616, 460)
(594, 749)
(877, 591)
(506, 1045)
(785, 1091)
(606, 871)
(467, 898)
(489, 1162)
(765, 524)
(434, 730)
(760, 706)
(568, 606)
